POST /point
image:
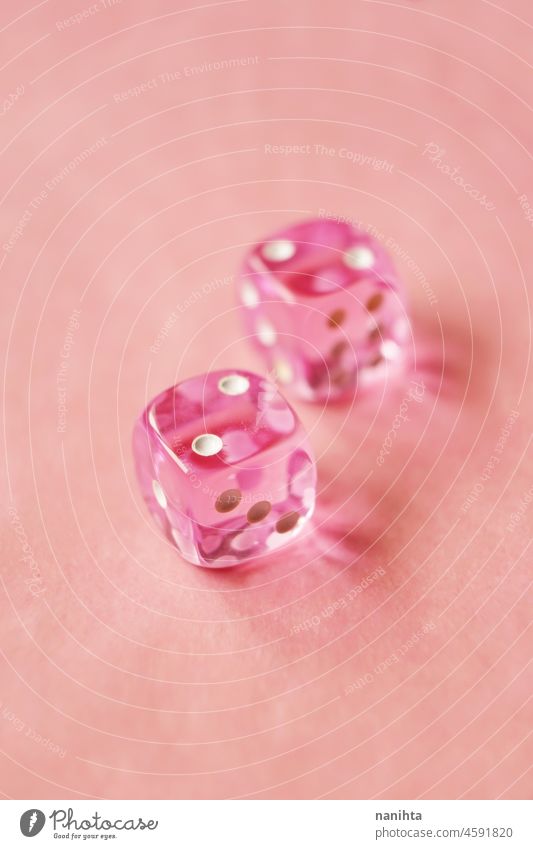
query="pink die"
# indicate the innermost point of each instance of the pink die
(225, 467)
(324, 305)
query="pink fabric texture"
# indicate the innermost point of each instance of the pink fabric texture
(145, 148)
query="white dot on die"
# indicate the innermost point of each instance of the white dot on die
(234, 384)
(359, 257)
(390, 349)
(279, 251)
(160, 496)
(244, 541)
(283, 371)
(265, 332)
(207, 444)
(249, 295)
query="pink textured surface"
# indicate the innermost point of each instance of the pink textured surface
(144, 149)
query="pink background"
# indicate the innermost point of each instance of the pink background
(128, 673)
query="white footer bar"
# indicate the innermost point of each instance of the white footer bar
(268, 824)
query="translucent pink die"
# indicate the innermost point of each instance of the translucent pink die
(225, 467)
(324, 305)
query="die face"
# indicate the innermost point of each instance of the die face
(225, 467)
(324, 306)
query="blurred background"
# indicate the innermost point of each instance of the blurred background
(144, 148)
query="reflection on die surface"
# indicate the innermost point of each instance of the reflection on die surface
(225, 467)
(323, 304)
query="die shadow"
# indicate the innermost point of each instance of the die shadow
(358, 506)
